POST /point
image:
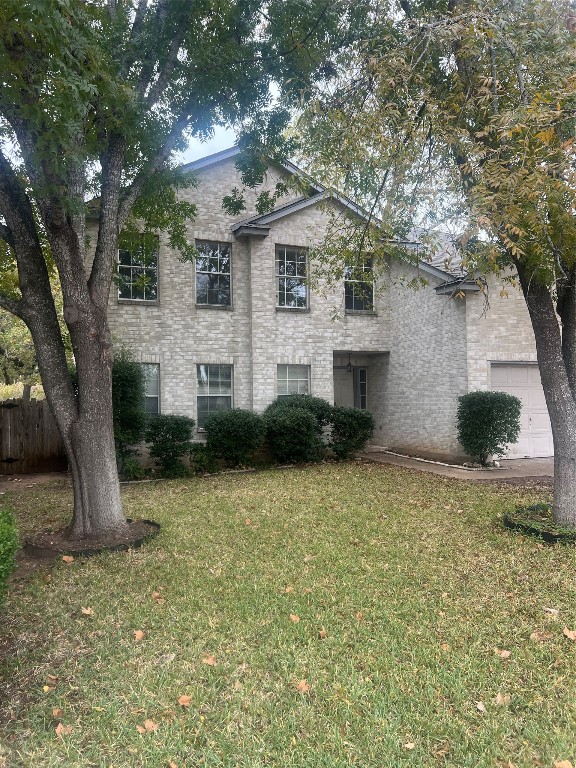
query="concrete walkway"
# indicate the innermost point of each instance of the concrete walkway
(509, 469)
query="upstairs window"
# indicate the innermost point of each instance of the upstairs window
(213, 284)
(293, 380)
(214, 390)
(359, 288)
(138, 267)
(291, 278)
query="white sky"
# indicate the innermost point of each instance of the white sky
(223, 138)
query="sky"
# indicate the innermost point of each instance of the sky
(223, 138)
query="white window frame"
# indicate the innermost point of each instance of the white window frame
(147, 369)
(217, 246)
(229, 394)
(284, 374)
(301, 280)
(362, 290)
(138, 265)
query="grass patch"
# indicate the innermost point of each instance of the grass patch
(443, 641)
(538, 520)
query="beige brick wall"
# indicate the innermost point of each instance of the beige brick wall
(499, 330)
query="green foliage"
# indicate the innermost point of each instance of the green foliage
(8, 547)
(129, 415)
(318, 407)
(292, 435)
(132, 469)
(352, 428)
(487, 421)
(234, 435)
(202, 460)
(170, 437)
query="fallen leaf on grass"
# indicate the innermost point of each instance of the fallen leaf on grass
(63, 730)
(87, 611)
(157, 597)
(441, 750)
(307, 558)
(563, 764)
(552, 611)
(237, 685)
(184, 700)
(409, 745)
(445, 646)
(303, 686)
(569, 633)
(294, 618)
(322, 634)
(480, 706)
(172, 764)
(288, 588)
(67, 559)
(149, 727)
(57, 714)
(52, 679)
(540, 636)
(248, 521)
(502, 699)
(209, 660)
(138, 635)
(502, 653)
(359, 616)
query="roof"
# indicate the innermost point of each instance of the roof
(259, 225)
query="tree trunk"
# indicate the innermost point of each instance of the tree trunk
(557, 391)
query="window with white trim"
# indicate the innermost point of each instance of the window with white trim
(213, 276)
(291, 277)
(293, 380)
(138, 267)
(214, 390)
(359, 288)
(151, 388)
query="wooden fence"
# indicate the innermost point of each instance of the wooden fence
(29, 438)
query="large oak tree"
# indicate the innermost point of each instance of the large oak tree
(95, 97)
(466, 109)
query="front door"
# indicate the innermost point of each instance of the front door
(351, 387)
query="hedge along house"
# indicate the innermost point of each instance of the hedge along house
(241, 325)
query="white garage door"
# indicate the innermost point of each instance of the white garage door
(535, 430)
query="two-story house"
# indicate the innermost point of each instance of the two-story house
(242, 325)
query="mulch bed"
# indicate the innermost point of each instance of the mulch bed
(53, 543)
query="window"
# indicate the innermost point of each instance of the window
(361, 388)
(293, 380)
(214, 390)
(151, 388)
(291, 274)
(213, 274)
(358, 291)
(138, 268)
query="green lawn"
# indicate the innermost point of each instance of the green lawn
(438, 649)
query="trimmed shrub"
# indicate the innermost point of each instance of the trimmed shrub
(170, 438)
(8, 547)
(292, 435)
(128, 411)
(318, 407)
(132, 469)
(233, 435)
(202, 460)
(487, 422)
(352, 428)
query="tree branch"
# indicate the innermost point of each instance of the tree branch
(134, 35)
(14, 306)
(6, 235)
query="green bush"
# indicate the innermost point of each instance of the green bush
(202, 460)
(170, 438)
(292, 435)
(319, 408)
(234, 435)
(487, 422)
(8, 547)
(128, 411)
(352, 428)
(132, 469)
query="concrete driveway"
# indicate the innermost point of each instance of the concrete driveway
(509, 469)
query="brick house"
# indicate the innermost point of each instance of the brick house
(242, 326)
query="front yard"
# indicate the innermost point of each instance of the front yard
(328, 616)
